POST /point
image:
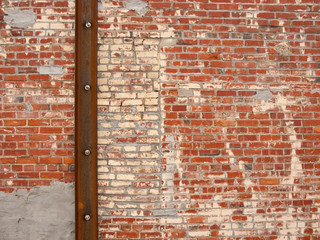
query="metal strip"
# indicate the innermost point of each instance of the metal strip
(86, 120)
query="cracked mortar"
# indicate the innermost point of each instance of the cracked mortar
(45, 213)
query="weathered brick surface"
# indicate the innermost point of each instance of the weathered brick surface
(37, 99)
(208, 114)
(223, 97)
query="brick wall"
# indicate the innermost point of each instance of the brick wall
(209, 119)
(37, 99)
(208, 114)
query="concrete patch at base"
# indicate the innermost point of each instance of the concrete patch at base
(20, 18)
(44, 213)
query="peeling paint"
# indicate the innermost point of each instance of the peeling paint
(230, 153)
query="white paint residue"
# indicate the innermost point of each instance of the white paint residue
(280, 101)
(248, 183)
(230, 153)
(296, 167)
(241, 165)
(170, 33)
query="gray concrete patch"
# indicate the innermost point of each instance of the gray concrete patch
(141, 7)
(45, 213)
(20, 18)
(50, 70)
(264, 95)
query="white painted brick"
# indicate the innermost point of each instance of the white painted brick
(150, 117)
(127, 125)
(130, 148)
(125, 95)
(115, 183)
(132, 102)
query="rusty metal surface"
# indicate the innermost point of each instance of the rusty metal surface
(86, 120)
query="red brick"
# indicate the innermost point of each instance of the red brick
(269, 181)
(218, 142)
(53, 175)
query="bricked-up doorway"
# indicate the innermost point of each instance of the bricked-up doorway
(86, 120)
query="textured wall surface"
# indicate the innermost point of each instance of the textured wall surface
(45, 213)
(37, 99)
(209, 119)
(36, 119)
(208, 116)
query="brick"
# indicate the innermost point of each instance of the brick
(190, 146)
(270, 181)
(52, 175)
(14, 122)
(127, 234)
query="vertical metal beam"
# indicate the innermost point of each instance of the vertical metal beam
(86, 120)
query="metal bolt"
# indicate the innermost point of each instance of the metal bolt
(87, 87)
(87, 152)
(88, 24)
(87, 217)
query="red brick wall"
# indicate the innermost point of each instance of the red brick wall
(208, 115)
(37, 99)
(208, 119)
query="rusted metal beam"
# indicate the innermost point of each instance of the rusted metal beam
(86, 120)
